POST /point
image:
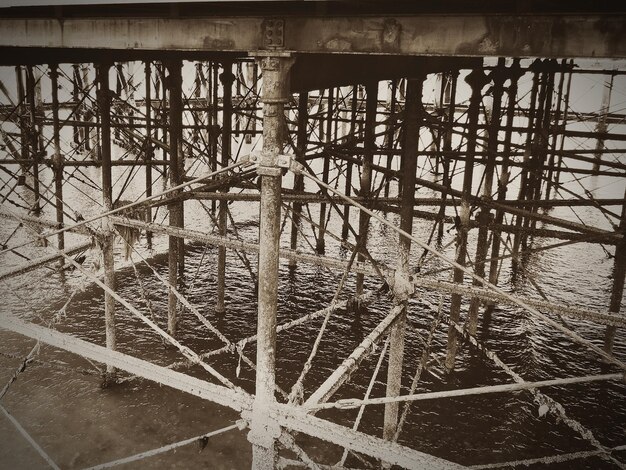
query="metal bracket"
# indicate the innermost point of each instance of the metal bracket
(273, 168)
(274, 33)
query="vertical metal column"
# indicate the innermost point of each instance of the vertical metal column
(177, 163)
(57, 159)
(227, 78)
(320, 247)
(390, 132)
(371, 106)
(514, 74)
(148, 149)
(33, 136)
(498, 76)
(476, 80)
(263, 430)
(523, 191)
(447, 148)
(601, 126)
(556, 126)
(350, 141)
(619, 272)
(407, 188)
(107, 238)
(298, 180)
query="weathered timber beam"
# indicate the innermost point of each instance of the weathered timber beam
(547, 307)
(311, 198)
(286, 415)
(341, 374)
(297, 420)
(199, 388)
(505, 35)
(616, 237)
(35, 263)
(440, 286)
(240, 245)
(37, 221)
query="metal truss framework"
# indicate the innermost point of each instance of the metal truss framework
(346, 138)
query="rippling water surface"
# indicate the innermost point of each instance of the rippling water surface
(60, 402)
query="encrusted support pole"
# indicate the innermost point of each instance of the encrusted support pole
(450, 97)
(523, 190)
(371, 105)
(514, 73)
(226, 78)
(476, 80)
(177, 163)
(107, 237)
(298, 180)
(601, 126)
(566, 99)
(148, 147)
(33, 136)
(390, 132)
(555, 131)
(617, 290)
(402, 287)
(76, 86)
(498, 76)
(263, 429)
(351, 140)
(321, 242)
(57, 159)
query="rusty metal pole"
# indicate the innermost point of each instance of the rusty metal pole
(226, 78)
(57, 159)
(447, 148)
(33, 134)
(601, 126)
(215, 106)
(390, 131)
(523, 190)
(148, 148)
(263, 429)
(407, 188)
(371, 106)
(320, 247)
(498, 76)
(619, 272)
(566, 99)
(555, 131)
(350, 140)
(298, 180)
(107, 237)
(476, 80)
(76, 86)
(176, 173)
(514, 73)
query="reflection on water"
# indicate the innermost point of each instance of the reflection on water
(60, 402)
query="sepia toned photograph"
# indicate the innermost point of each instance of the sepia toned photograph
(321, 234)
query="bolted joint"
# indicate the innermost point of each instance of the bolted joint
(270, 164)
(264, 430)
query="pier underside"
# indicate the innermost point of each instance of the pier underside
(424, 159)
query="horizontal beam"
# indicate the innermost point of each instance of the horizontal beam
(447, 35)
(419, 281)
(199, 388)
(36, 263)
(299, 421)
(286, 415)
